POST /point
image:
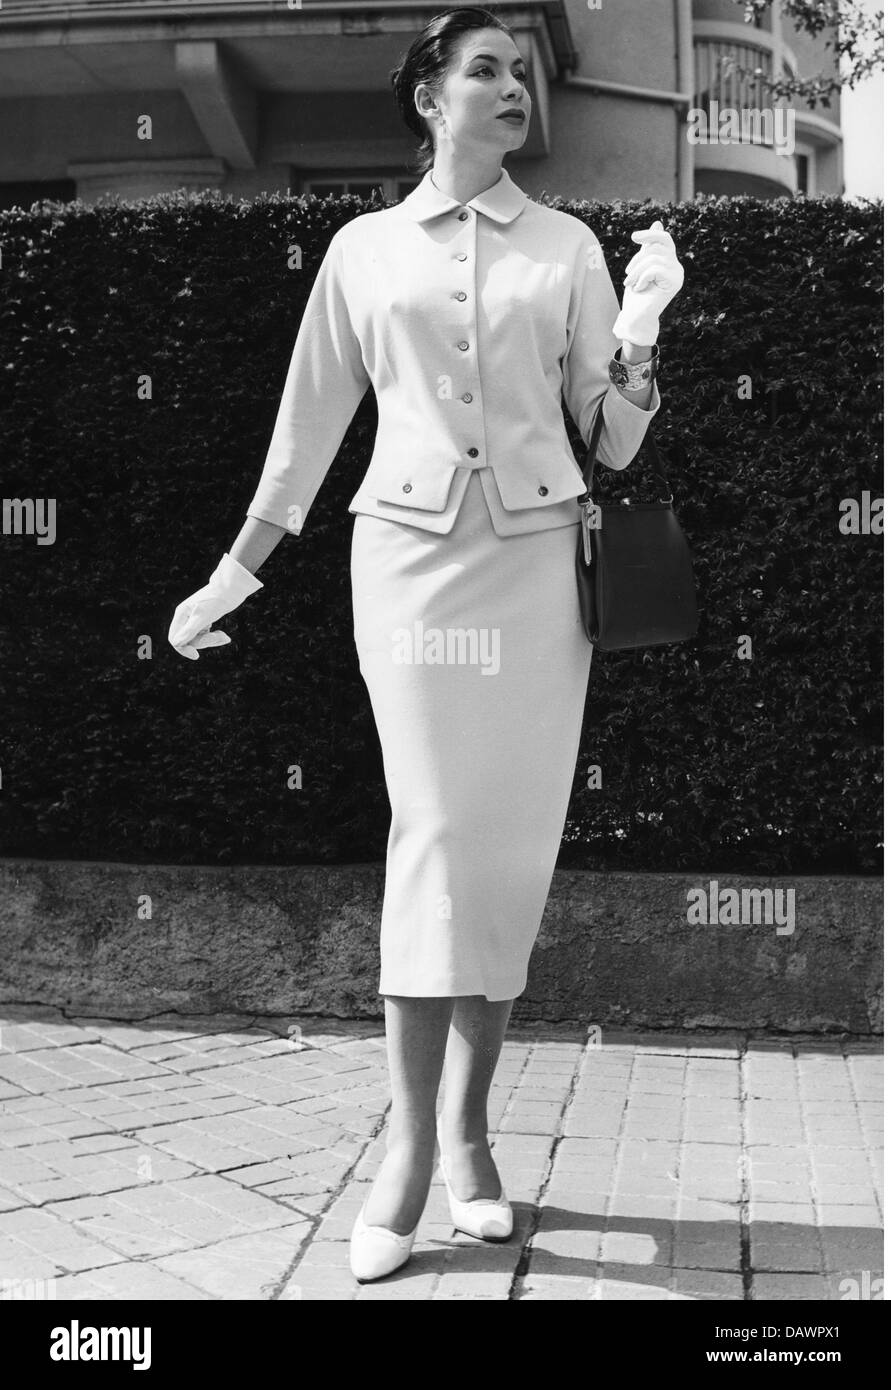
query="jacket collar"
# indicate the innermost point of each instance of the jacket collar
(502, 202)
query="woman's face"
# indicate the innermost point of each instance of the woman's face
(486, 79)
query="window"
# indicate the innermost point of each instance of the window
(391, 187)
(803, 168)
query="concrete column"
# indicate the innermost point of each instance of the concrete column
(223, 104)
(684, 40)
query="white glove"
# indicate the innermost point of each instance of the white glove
(652, 279)
(228, 587)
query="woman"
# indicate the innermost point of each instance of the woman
(469, 308)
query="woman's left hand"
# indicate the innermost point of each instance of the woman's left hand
(652, 279)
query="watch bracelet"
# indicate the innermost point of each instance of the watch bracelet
(634, 375)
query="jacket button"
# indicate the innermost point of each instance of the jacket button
(467, 397)
(463, 345)
(542, 492)
(460, 295)
(461, 256)
(473, 453)
(406, 487)
(462, 216)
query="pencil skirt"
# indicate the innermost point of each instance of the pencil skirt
(477, 666)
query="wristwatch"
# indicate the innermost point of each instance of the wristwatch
(633, 375)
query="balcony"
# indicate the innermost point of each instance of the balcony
(784, 147)
(717, 77)
(732, 77)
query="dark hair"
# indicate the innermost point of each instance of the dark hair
(428, 60)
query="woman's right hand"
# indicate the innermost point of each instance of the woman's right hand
(228, 587)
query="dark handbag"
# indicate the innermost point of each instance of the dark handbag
(633, 565)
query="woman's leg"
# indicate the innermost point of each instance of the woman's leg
(417, 1030)
(472, 1052)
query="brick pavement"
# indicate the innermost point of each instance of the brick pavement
(226, 1158)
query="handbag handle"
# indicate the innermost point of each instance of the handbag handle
(654, 458)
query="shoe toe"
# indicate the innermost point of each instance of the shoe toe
(370, 1264)
(376, 1252)
(497, 1224)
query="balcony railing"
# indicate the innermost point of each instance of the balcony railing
(734, 75)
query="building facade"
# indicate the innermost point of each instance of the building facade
(135, 97)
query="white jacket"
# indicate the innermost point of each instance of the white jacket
(468, 321)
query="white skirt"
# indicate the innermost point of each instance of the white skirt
(477, 666)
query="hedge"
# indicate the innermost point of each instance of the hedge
(709, 762)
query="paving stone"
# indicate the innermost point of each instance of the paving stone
(852, 1248)
(11, 1201)
(632, 1283)
(541, 1089)
(20, 1262)
(710, 1187)
(243, 1267)
(718, 1134)
(52, 1069)
(550, 1288)
(466, 1286)
(401, 1287)
(597, 1124)
(586, 1165)
(600, 1146)
(127, 1281)
(785, 1172)
(325, 1254)
(795, 1213)
(31, 1233)
(572, 1200)
(525, 1124)
(777, 1193)
(652, 1128)
(565, 1252)
(10, 1092)
(848, 1217)
(718, 1254)
(131, 1035)
(784, 1246)
(632, 1247)
(709, 1284)
(651, 1211)
(790, 1287)
(713, 1109)
(30, 1036)
(48, 1190)
(844, 1194)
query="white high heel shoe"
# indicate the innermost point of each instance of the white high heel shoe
(376, 1251)
(484, 1218)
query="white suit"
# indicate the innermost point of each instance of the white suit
(468, 321)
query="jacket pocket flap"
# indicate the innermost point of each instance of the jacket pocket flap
(405, 485)
(560, 479)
